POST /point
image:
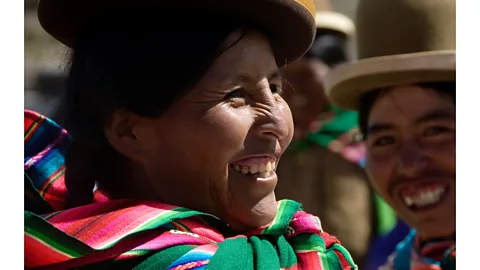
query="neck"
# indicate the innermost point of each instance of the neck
(133, 183)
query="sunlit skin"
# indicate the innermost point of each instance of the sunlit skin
(411, 145)
(304, 92)
(234, 113)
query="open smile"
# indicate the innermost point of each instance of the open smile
(259, 168)
(423, 197)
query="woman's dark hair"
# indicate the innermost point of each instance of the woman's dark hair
(329, 46)
(137, 60)
(368, 100)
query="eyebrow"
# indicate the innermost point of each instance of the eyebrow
(250, 79)
(439, 114)
(376, 128)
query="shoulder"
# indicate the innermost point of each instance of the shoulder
(308, 239)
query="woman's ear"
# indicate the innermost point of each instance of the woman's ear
(120, 131)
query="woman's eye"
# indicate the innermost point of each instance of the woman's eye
(275, 89)
(237, 93)
(432, 131)
(384, 141)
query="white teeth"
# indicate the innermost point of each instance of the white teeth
(408, 201)
(268, 167)
(256, 169)
(424, 198)
(261, 167)
(253, 169)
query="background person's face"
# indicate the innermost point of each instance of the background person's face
(411, 157)
(217, 148)
(304, 93)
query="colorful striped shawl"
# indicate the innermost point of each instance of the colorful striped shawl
(150, 235)
(127, 229)
(45, 144)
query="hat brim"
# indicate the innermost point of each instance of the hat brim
(347, 83)
(289, 24)
(334, 21)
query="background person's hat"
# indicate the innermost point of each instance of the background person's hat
(326, 18)
(290, 24)
(399, 42)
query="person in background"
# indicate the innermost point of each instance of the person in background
(168, 156)
(403, 87)
(323, 167)
(314, 170)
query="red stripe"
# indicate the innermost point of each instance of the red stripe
(343, 261)
(37, 253)
(72, 220)
(32, 127)
(56, 193)
(52, 178)
(309, 260)
(116, 224)
(100, 223)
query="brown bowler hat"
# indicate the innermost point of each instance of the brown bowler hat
(399, 42)
(290, 24)
(326, 18)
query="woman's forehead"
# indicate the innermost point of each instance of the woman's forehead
(248, 55)
(410, 104)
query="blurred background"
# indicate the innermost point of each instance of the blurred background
(43, 65)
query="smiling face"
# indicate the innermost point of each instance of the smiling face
(411, 156)
(216, 149)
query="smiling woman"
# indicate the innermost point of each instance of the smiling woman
(256, 119)
(173, 152)
(410, 135)
(403, 86)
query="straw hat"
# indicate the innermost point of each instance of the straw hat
(290, 24)
(326, 18)
(399, 42)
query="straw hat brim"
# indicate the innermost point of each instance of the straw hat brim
(334, 21)
(347, 83)
(289, 24)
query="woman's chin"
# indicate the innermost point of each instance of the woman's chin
(259, 215)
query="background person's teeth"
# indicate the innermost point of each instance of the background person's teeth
(268, 167)
(236, 167)
(273, 165)
(440, 191)
(426, 196)
(408, 201)
(245, 170)
(426, 199)
(253, 169)
(261, 167)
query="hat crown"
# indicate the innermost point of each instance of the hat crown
(389, 27)
(323, 5)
